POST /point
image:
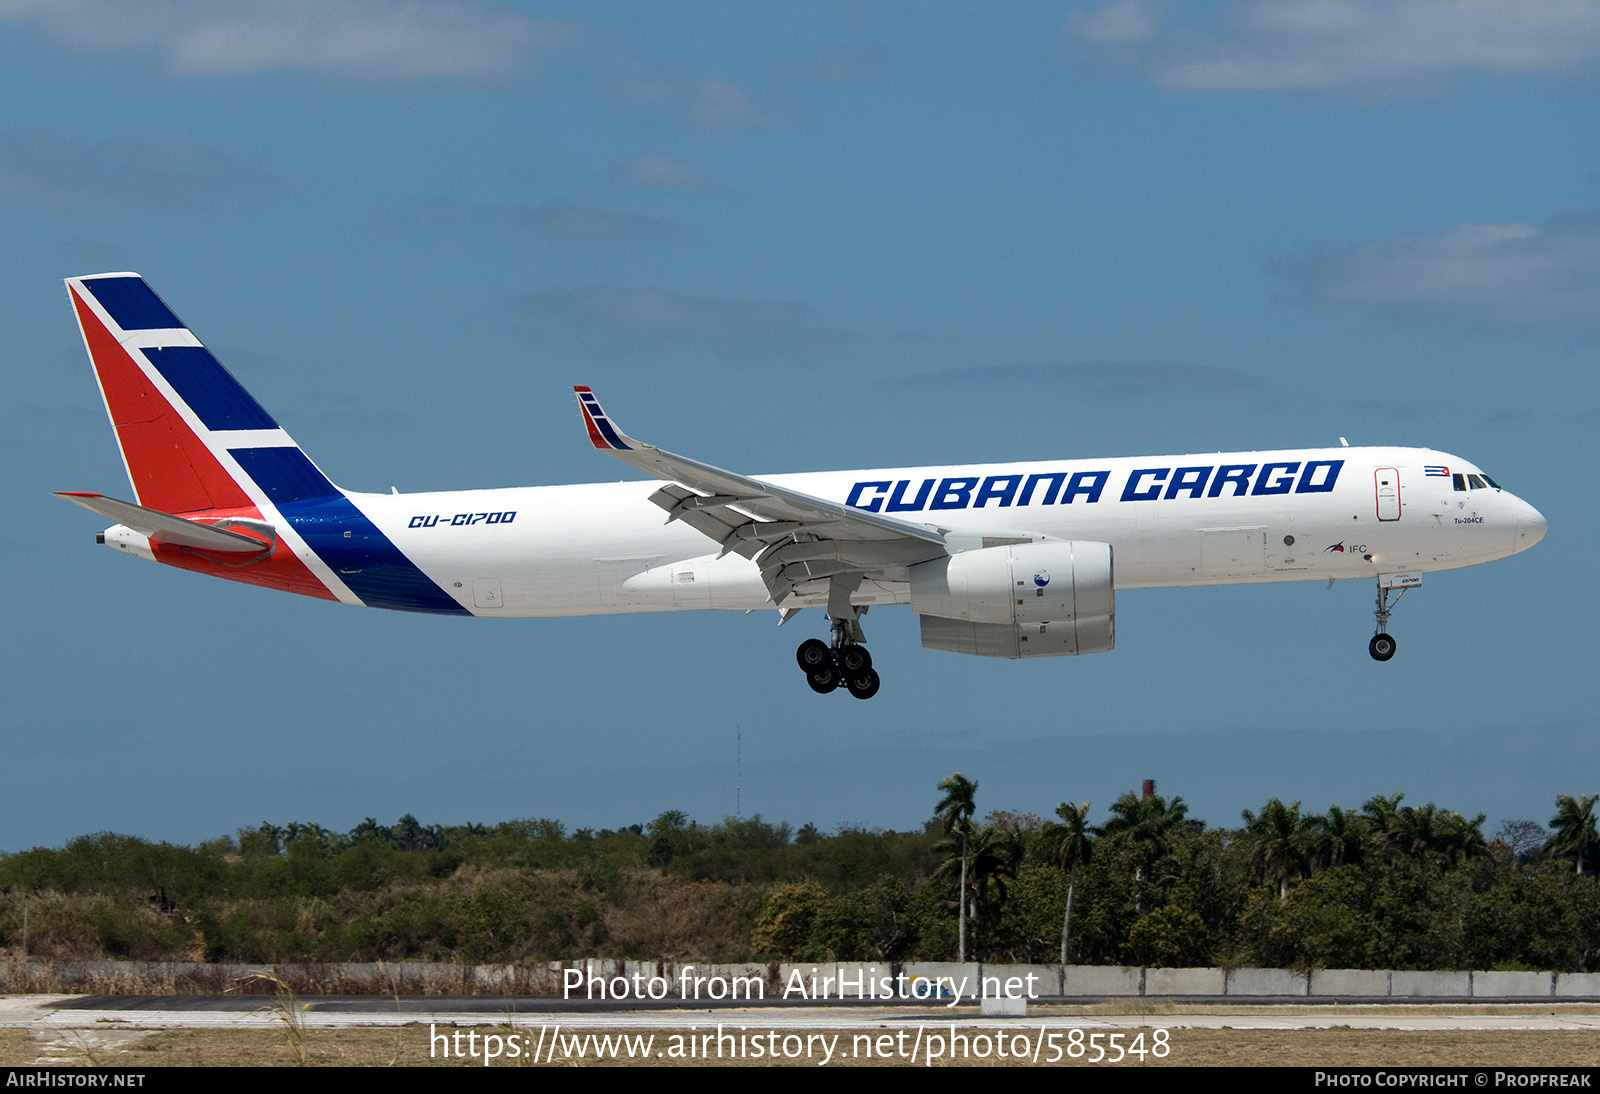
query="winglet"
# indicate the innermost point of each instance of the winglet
(604, 435)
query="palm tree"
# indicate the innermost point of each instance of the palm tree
(1384, 822)
(997, 852)
(1574, 823)
(1460, 839)
(1150, 823)
(1070, 846)
(955, 811)
(1420, 827)
(1280, 837)
(1339, 837)
(1425, 833)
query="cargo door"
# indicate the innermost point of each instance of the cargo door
(1386, 481)
(1232, 552)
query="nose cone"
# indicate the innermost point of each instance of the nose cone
(1531, 527)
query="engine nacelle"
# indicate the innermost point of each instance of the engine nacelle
(1019, 600)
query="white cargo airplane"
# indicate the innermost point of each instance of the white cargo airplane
(1001, 560)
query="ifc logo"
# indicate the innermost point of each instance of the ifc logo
(1042, 578)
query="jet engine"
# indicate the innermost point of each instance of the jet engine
(1018, 600)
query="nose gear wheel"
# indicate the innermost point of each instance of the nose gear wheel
(1382, 646)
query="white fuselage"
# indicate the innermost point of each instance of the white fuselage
(1216, 519)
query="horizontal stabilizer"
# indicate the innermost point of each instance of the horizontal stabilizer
(164, 527)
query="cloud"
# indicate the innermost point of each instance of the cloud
(364, 39)
(641, 319)
(1361, 47)
(655, 169)
(1119, 21)
(1517, 274)
(704, 104)
(41, 168)
(719, 104)
(584, 222)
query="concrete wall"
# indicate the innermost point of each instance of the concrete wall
(1512, 985)
(607, 978)
(1349, 983)
(1430, 985)
(1183, 981)
(1578, 985)
(1092, 980)
(1267, 982)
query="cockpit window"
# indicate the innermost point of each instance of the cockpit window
(1491, 482)
(1460, 481)
(1476, 482)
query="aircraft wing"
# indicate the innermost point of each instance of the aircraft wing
(795, 538)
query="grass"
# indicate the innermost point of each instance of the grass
(292, 1016)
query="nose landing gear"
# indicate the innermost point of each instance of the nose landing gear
(1382, 646)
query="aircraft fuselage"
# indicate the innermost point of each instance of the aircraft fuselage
(1219, 519)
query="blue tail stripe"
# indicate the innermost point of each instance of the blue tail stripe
(284, 474)
(209, 389)
(132, 303)
(610, 434)
(341, 535)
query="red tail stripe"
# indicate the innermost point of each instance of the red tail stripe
(171, 468)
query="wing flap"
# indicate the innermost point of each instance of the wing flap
(734, 531)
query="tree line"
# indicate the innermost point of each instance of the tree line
(1388, 884)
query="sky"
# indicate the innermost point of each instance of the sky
(788, 238)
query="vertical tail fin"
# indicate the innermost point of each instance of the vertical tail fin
(196, 444)
(191, 436)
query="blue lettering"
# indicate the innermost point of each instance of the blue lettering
(1236, 473)
(1001, 487)
(1268, 482)
(1054, 478)
(854, 499)
(896, 505)
(1087, 483)
(1192, 479)
(1308, 483)
(1131, 492)
(954, 494)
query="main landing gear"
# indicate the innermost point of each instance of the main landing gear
(1382, 645)
(848, 666)
(846, 663)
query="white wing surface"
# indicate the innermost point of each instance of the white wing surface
(802, 543)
